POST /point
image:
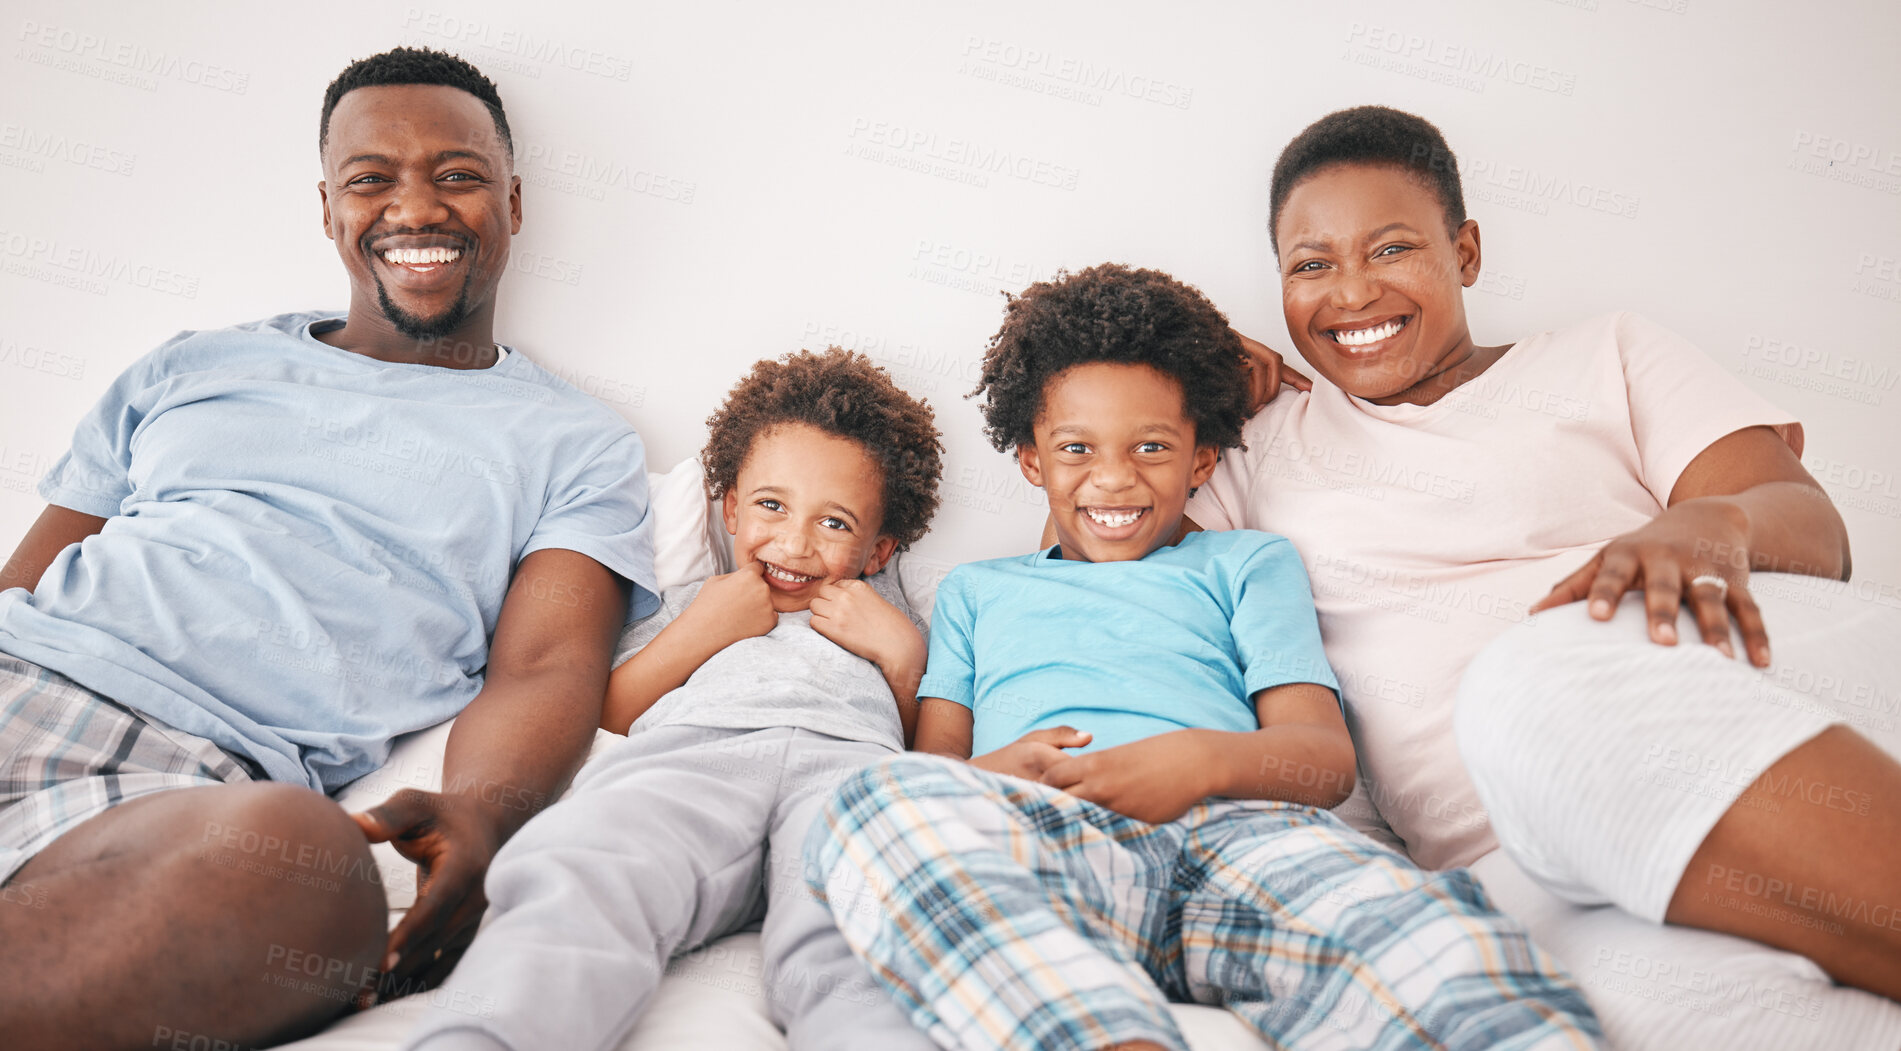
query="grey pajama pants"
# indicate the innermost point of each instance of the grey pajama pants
(670, 840)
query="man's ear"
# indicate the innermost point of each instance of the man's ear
(323, 195)
(881, 553)
(1205, 458)
(1466, 243)
(729, 511)
(514, 204)
(1030, 465)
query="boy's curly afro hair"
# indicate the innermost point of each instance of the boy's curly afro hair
(1113, 313)
(842, 393)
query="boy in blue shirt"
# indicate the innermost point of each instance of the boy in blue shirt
(1156, 729)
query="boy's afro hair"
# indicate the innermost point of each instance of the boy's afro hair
(841, 393)
(1113, 313)
(414, 65)
(1369, 135)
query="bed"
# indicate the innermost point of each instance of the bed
(1663, 988)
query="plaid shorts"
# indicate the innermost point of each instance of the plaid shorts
(67, 754)
(1016, 916)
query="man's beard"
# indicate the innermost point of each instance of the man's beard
(423, 329)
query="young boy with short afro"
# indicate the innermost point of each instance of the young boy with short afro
(1156, 731)
(746, 699)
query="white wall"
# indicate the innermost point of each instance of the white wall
(711, 183)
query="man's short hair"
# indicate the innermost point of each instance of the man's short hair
(1113, 313)
(412, 65)
(1375, 135)
(843, 394)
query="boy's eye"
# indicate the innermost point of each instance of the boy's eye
(771, 504)
(835, 522)
(1151, 447)
(1073, 448)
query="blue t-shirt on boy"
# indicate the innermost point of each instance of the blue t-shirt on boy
(1180, 639)
(307, 549)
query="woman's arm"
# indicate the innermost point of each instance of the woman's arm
(1745, 503)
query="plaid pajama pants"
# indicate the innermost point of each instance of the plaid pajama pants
(68, 754)
(1013, 915)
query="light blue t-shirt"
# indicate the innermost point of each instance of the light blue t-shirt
(1181, 639)
(307, 549)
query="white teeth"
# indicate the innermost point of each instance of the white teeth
(790, 578)
(420, 256)
(1113, 519)
(1361, 337)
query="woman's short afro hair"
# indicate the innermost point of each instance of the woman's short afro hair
(1369, 135)
(841, 393)
(1113, 313)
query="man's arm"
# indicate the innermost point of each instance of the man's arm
(511, 753)
(55, 529)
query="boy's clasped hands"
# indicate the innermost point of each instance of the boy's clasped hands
(1154, 779)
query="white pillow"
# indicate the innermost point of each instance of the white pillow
(689, 538)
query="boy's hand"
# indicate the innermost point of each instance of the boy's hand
(1033, 753)
(853, 614)
(1155, 779)
(736, 605)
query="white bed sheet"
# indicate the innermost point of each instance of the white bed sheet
(1662, 988)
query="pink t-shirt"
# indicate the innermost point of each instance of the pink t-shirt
(1429, 530)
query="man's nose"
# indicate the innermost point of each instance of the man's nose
(416, 204)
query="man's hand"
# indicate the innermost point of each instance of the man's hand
(736, 605)
(1266, 373)
(853, 614)
(1033, 753)
(1155, 779)
(452, 839)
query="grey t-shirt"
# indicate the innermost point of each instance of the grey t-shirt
(791, 676)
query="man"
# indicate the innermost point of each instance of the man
(272, 549)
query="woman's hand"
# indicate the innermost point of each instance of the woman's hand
(1266, 372)
(1679, 557)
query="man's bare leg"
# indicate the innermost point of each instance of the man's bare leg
(243, 913)
(1809, 859)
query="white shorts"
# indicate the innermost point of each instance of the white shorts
(1605, 759)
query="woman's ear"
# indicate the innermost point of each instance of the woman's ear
(1466, 243)
(729, 511)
